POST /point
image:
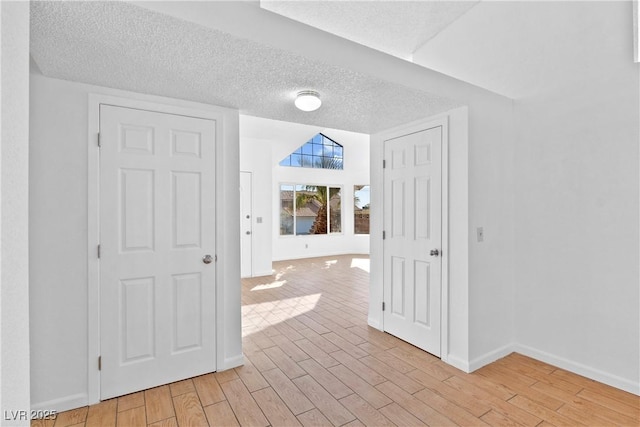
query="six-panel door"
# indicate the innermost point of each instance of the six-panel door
(412, 224)
(157, 222)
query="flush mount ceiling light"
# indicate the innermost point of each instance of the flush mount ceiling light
(308, 100)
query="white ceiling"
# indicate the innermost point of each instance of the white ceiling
(394, 27)
(120, 45)
(252, 127)
(517, 49)
(522, 49)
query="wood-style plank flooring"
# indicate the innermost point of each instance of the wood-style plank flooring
(311, 360)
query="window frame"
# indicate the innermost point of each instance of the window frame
(354, 211)
(306, 153)
(295, 220)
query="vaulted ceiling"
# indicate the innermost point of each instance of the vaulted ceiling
(398, 28)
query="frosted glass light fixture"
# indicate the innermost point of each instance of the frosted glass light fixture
(308, 100)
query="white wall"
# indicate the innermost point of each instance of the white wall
(458, 167)
(356, 172)
(636, 32)
(58, 239)
(491, 262)
(14, 184)
(577, 212)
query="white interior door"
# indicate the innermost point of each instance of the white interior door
(412, 224)
(157, 224)
(246, 230)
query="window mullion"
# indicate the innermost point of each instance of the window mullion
(328, 189)
(295, 210)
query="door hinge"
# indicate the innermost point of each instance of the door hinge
(215, 258)
(99, 363)
(99, 142)
(384, 235)
(383, 306)
(384, 164)
(98, 251)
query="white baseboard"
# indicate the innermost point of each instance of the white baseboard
(579, 368)
(458, 363)
(63, 403)
(232, 362)
(560, 362)
(263, 273)
(374, 323)
(318, 255)
(490, 357)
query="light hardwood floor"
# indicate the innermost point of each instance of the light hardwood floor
(311, 359)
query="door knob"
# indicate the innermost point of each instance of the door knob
(248, 232)
(207, 259)
(434, 252)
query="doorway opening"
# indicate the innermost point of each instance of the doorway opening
(290, 242)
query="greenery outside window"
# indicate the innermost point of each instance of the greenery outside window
(310, 209)
(361, 201)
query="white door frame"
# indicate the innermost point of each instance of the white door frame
(93, 226)
(413, 127)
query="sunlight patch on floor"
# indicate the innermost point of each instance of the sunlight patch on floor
(260, 316)
(328, 264)
(279, 274)
(271, 285)
(361, 263)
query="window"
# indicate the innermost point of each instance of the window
(361, 209)
(319, 152)
(310, 209)
(286, 210)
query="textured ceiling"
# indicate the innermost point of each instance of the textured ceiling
(394, 27)
(119, 45)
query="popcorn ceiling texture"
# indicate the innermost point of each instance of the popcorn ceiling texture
(119, 45)
(394, 27)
